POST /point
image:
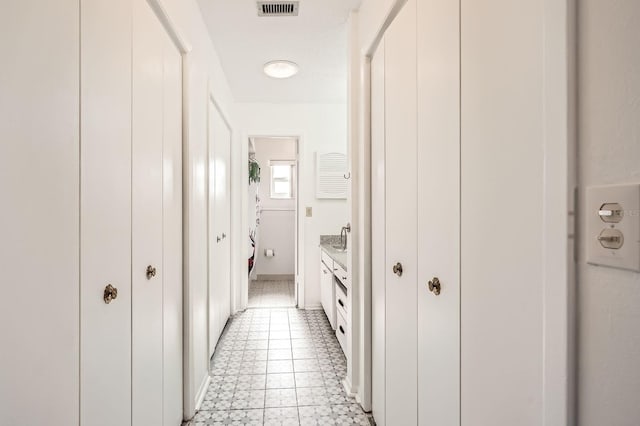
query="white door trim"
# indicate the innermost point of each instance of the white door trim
(299, 215)
(559, 122)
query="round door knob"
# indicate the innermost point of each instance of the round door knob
(397, 269)
(434, 286)
(110, 293)
(151, 272)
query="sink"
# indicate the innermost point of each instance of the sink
(339, 249)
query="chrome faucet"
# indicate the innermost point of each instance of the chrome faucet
(344, 231)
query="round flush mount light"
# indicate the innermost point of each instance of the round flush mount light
(281, 69)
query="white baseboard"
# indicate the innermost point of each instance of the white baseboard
(202, 391)
(348, 388)
(314, 307)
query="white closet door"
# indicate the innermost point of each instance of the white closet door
(147, 218)
(438, 56)
(219, 219)
(106, 213)
(172, 234)
(401, 219)
(503, 243)
(378, 263)
(223, 206)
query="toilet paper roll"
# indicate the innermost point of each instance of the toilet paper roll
(269, 252)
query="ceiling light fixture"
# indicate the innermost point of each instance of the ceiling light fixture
(281, 69)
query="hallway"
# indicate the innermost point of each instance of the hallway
(278, 367)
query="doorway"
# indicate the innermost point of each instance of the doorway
(273, 222)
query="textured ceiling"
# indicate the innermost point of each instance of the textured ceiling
(316, 40)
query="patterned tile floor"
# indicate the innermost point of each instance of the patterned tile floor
(278, 367)
(271, 294)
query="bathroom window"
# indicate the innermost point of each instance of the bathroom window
(282, 175)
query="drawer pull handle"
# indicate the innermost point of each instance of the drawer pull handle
(341, 303)
(341, 330)
(344, 278)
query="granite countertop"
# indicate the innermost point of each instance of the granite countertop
(327, 243)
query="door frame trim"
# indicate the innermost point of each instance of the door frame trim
(299, 216)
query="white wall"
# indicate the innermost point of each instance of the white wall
(320, 127)
(39, 223)
(609, 153)
(277, 227)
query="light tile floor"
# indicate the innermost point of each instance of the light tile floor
(271, 294)
(278, 367)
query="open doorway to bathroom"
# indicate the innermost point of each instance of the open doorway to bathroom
(273, 222)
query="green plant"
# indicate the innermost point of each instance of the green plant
(254, 172)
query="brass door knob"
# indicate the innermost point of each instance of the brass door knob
(110, 293)
(434, 286)
(397, 269)
(151, 272)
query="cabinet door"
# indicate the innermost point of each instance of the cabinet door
(438, 156)
(326, 293)
(401, 219)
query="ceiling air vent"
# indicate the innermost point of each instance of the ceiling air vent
(277, 8)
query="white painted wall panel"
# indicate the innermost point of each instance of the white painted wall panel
(609, 153)
(39, 218)
(501, 212)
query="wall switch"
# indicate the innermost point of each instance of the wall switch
(309, 211)
(613, 226)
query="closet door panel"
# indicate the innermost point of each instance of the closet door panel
(378, 263)
(439, 212)
(219, 224)
(147, 239)
(401, 218)
(172, 234)
(223, 203)
(502, 162)
(105, 208)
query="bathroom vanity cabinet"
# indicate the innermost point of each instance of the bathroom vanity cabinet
(335, 292)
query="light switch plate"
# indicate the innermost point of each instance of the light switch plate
(628, 197)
